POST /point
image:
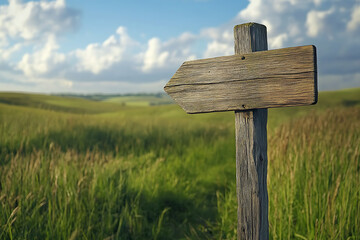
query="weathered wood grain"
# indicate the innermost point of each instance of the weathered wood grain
(248, 82)
(251, 150)
(276, 78)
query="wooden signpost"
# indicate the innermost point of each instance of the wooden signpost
(248, 83)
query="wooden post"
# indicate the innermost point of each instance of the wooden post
(251, 149)
(248, 83)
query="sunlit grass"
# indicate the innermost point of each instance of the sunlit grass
(157, 173)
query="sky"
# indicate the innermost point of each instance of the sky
(115, 46)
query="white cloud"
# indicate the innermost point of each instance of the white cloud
(42, 61)
(34, 25)
(99, 57)
(221, 42)
(165, 55)
(278, 41)
(316, 21)
(354, 23)
(216, 49)
(33, 20)
(154, 57)
(253, 10)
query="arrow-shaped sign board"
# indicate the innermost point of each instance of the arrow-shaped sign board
(265, 79)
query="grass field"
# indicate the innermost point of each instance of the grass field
(145, 100)
(71, 168)
(141, 99)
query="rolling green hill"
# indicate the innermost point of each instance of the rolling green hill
(56, 103)
(73, 168)
(141, 99)
(134, 106)
(145, 100)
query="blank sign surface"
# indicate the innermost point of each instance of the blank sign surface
(266, 79)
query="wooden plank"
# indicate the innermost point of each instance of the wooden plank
(251, 150)
(276, 78)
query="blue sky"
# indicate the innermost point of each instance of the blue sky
(136, 46)
(146, 19)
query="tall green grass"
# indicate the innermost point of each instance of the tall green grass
(157, 173)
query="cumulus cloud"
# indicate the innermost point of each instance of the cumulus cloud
(221, 42)
(154, 57)
(217, 48)
(98, 57)
(316, 21)
(42, 61)
(167, 54)
(31, 29)
(354, 23)
(35, 25)
(33, 20)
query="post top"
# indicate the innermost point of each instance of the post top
(249, 24)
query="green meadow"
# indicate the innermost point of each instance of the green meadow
(126, 168)
(145, 100)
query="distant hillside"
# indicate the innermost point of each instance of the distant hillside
(132, 99)
(57, 103)
(114, 103)
(141, 100)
